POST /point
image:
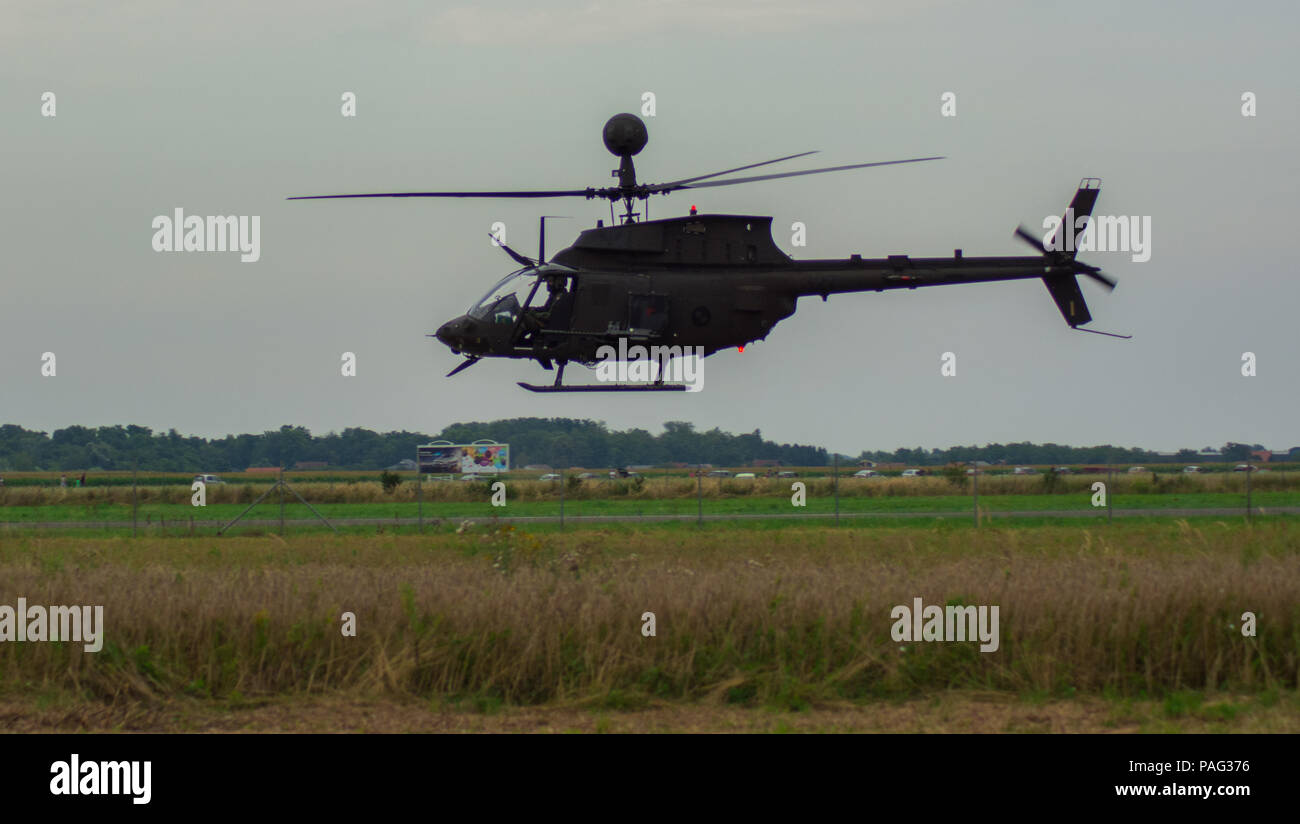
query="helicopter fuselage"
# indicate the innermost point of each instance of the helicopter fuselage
(707, 281)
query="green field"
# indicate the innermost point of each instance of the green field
(178, 513)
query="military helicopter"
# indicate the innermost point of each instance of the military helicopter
(704, 281)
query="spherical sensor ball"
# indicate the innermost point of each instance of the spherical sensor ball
(625, 134)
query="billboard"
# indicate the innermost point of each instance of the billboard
(480, 457)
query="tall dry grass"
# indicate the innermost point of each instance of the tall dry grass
(660, 487)
(784, 616)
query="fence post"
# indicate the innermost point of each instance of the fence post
(699, 493)
(837, 489)
(1110, 493)
(280, 483)
(975, 485)
(419, 496)
(135, 506)
(561, 500)
(1248, 473)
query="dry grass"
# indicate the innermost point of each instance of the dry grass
(780, 617)
(654, 488)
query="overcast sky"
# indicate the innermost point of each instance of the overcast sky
(228, 108)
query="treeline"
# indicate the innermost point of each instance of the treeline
(1030, 454)
(557, 442)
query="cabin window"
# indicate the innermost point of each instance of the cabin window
(648, 312)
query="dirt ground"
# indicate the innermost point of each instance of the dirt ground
(946, 713)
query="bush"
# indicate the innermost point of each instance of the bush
(1050, 479)
(955, 475)
(390, 481)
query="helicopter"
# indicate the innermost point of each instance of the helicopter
(702, 282)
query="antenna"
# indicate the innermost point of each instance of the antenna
(541, 235)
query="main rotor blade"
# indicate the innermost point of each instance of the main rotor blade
(658, 187)
(552, 193)
(792, 174)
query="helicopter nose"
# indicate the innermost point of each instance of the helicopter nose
(453, 332)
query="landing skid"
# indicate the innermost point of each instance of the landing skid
(613, 387)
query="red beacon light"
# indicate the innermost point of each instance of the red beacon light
(692, 209)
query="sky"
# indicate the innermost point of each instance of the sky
(229, 108)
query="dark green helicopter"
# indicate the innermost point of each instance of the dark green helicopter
(703, 280)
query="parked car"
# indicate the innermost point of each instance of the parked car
(787, 474)
(719, 473)
(587, 476)
(1136, 470)
(745, 475)
(913, 473)
(1064, 470)
(1024, 470)
(550, 476)
(469, 477)
(1191, 470)
(866, 473)
(209, 480)
(1245, 468)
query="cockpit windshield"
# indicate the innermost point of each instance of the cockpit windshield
(505, 301)
(502, 302)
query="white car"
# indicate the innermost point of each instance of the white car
(1136, 470)
(913, 473)
(1024, 470)
(1191, 470)
(744, 475)
(866, 473)
(209, 480)
(549, 476)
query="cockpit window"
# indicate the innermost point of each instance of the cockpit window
(505, 300)
(501, 303)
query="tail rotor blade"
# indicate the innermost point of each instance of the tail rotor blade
(1109, 282)
(1033, 240)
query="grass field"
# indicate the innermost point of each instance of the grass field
(161, 505)
(1131, 626)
